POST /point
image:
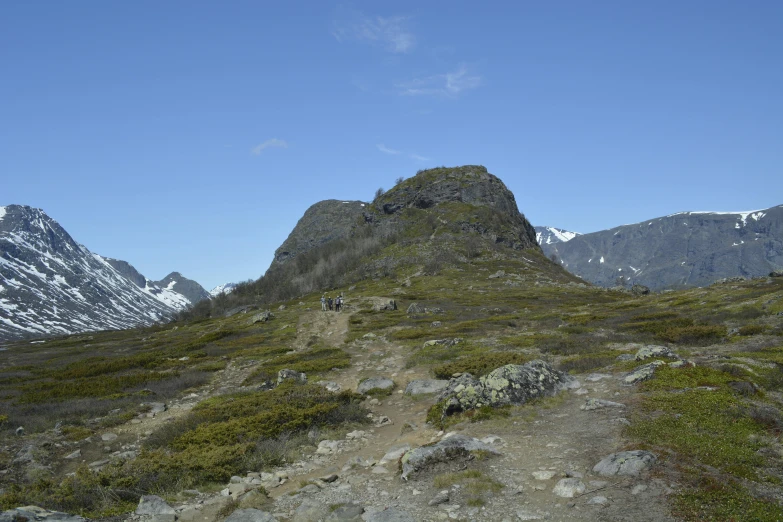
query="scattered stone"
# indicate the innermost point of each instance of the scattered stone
(153, 505)
(379, 470)
(544, 474)
(309, 489)
(638, 289)
(291, 375)
(108, 437)
(595, 404)
(98, 463)
(436, 324)
(452, 448)
(569, 488)
(329, 447)
(414, 308)
(157, 407)
(30, 513)
(375, 384)
(444, 342)
(356, 435)
(680, 364)
(391, 306)
(329, 478)
(625, 463)
(281, 307)
(250, 515)
(19, 431)
(642, 373)
(441, 498)
(523, 514)
(497, 275)
(776, 273)
(424, 386)
(493, 440)
(648, 352)
(598, 500)
(639, 488)
(509, 384)
(626, 357)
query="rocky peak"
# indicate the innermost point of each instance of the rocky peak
(176, 282)
(323, 222)
(35, 226)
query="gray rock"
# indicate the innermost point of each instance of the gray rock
(598, 500)
(638, 289)
(250, 515)
(391, 306)
(441, 498)
(445, 342)
(330, 386)
(595, 404)
(776, 273)
(19, 431)
(310, 511)
(262, 317)
(394, 454)
(569, 487)
(375, 384)
(75, 455)
(648, 352)
(625, 463)
(642, 373)
(389, 515)
(309, 489)
(510, 384)
(153, 505)
(109, 437)
(626, 357)
(456, 447)
(424, 386)
(291, 375)
(414, 308)
(349, 512)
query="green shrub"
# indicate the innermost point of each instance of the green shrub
(310, 361)
(751, 329)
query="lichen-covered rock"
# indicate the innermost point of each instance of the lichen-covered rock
(375, 384)
(444, 342)
(262, 317)
(291, 375)
(642, 373)
(625, 463)
(569, 488)
(153, 505)
(509, 384)
(450, 448)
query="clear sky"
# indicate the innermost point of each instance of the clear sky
(192, 136)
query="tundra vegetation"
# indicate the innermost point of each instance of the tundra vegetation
(715, 426)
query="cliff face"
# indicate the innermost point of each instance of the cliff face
(323, 222)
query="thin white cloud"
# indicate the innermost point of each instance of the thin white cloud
(419, 158)
(389, 32)
(274, 143)
(386, 150)
(450, 84)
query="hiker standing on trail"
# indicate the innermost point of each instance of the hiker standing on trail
(323, 303)
(338, 303)
(329, 300)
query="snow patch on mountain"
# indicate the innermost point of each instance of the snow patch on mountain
(552, 235)
(225, 288)
(2, 213)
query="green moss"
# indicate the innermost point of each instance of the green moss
(479, 364)
(718, 501)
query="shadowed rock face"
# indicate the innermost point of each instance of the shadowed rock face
(323, 222)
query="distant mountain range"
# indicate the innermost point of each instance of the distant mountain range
(683, 249)
(50, 284)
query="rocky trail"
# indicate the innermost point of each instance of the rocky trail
(538, 466)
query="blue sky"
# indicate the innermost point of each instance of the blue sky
(192, 136)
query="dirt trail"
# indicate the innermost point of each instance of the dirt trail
(555, 437)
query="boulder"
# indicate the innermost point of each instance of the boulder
(414, 308)
(153, 505)
(625, 463)
(390, 306)
(569, 487)
(394, 454)
(776, 273)
(375, 384)
(638, 289)
(262, 317)
(250, 515)
(509, 384)
(642, 373)
(291, 375)
(648, 352)
(446, 342)
(424, 386)
(455, 447)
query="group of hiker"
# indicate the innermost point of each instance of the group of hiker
(327, 303)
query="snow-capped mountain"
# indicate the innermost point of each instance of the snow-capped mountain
(683, 249)
(552, 235)
(225, 288)
(50, 284)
